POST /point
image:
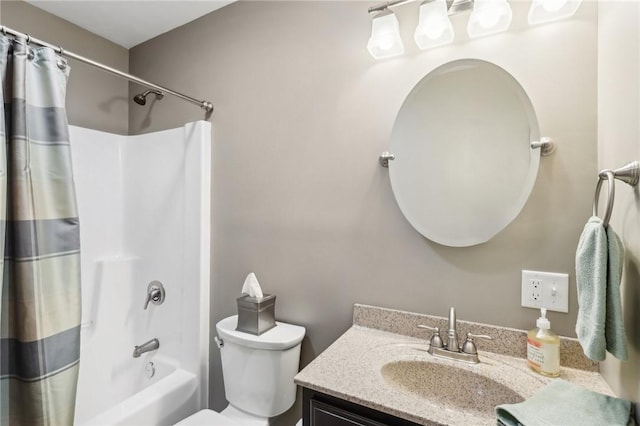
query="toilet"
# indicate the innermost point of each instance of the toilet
(258, 375)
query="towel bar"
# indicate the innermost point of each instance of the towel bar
(629, 173)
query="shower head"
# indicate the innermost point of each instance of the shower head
(141, 98)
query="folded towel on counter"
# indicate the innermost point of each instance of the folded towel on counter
(565, 404)
(599, 325)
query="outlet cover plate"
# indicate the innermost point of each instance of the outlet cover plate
(545, 290)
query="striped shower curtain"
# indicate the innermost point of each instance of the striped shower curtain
(39, 240)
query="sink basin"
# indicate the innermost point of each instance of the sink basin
(449, 386)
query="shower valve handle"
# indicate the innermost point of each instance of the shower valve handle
(155, 294)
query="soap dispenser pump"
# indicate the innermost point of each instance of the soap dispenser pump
(543, 348)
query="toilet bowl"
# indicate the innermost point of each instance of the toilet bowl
(258, 374)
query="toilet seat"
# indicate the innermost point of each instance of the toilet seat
(207, 418)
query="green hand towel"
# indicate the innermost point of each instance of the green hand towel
(614, 332)
(565, 404)
(599, 325)
(591, 280)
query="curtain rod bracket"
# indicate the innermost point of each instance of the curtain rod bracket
(207, 106)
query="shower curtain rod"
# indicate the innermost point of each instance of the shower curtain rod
(205, 105)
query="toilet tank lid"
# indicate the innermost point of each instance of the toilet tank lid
(282, 336)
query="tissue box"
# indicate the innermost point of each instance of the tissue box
(256, 314)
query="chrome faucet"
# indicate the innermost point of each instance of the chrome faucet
(452, 335)
(149, 346)
(451, 350)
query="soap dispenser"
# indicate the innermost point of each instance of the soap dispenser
(543, 348)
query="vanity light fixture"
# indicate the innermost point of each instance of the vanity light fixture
(385, 41)
(434, 27)
(489, 17)
(542, 11)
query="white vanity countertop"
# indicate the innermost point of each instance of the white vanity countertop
(350, 369)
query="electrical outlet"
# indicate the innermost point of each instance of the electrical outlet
(545, 290)
(534, 290)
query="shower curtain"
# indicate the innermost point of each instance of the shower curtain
(39, 241)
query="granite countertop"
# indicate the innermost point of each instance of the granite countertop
(351, 369)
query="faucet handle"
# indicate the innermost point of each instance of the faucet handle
(147, 300)
(469, 347)
(427, 327)
(436, 340)
(479, 336)
(155, 294)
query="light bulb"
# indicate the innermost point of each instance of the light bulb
(489, 17)
(385, 39)
(385, 43)
(542, 11)
(434, 27)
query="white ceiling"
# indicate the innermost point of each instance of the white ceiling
(129, 23)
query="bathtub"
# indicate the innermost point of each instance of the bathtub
(144, 205)
(169, 396)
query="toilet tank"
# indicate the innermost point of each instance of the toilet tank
(258, 371)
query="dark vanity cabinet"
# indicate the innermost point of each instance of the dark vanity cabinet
(324, 410)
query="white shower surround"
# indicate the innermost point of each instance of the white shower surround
(144, 204)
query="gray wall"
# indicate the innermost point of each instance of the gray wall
(95, 99)
(619, 143)
(302, 114)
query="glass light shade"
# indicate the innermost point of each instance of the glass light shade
(542, 11)
(434, 27)
(385, 40)
(489, 17)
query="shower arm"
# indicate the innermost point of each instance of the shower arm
(205, 105)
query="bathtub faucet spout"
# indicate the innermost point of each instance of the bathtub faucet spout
(149, 346)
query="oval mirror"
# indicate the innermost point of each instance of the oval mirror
(464, 166)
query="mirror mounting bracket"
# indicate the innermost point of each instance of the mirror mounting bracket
(385, 157)
(547, 146)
